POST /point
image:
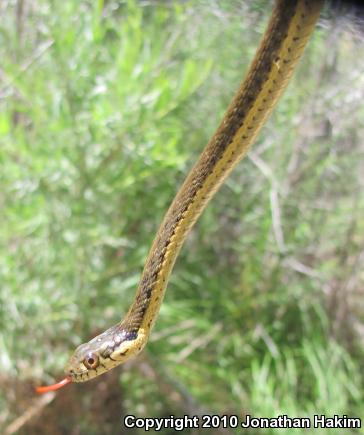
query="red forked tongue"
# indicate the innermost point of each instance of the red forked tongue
(54, 387)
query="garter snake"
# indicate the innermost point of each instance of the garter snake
(289, 29)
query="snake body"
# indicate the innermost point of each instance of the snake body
(288, 31)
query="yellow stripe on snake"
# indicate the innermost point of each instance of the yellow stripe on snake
(290, 26)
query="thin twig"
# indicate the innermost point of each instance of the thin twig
(201, 341)
(31, 412)
(274, 200)
(302, 268)
(276, 219)
(27, 64)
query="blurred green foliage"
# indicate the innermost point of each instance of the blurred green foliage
(104, 108)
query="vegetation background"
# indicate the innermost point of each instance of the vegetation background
(105, 105)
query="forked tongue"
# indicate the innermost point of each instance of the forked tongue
(54, 387)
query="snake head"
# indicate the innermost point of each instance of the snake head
(104, 352)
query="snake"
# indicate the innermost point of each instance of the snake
(289, 28)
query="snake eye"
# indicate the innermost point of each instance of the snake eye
(91, 361)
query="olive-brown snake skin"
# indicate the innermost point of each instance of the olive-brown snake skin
(290, 26)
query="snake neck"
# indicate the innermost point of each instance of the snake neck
(282, 45)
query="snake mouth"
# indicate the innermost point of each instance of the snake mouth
(78, 371)
(82, 376)
(78, 375)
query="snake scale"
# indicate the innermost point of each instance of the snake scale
(289, 28)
